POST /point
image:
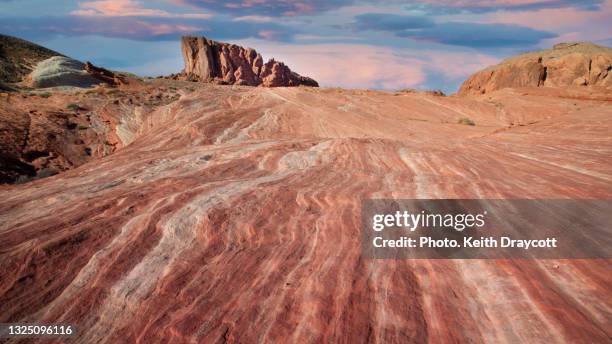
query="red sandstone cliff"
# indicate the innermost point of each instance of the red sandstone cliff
(208, 60)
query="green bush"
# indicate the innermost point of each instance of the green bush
(45, 94)
(73, 107)
(466, 121)
(82, 127)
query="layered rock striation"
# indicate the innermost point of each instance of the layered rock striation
(212, 61)
(64, 71)
(61, 71)
(237, 206)
(566, 64)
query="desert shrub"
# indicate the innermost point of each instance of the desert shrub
(45, 94)
(128, 74)
(82, 127)
(73, 107)
(407, 90)
(438, 93)
(466, 121)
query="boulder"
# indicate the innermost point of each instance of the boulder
(566, 64)
(211, 61)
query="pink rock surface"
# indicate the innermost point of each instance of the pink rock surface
(233, 216)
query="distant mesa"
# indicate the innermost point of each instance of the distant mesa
(211, 61)
(566, 64)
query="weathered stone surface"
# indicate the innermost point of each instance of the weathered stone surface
(105, 75)
(567, 64)
(234, 215)
(52, 130)
(61, 71)
(212, 61)
(64, 71)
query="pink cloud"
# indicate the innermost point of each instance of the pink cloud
(345, 65)
(269, 34)
(128, 8)
(366, 66)
(491, 3)
(124, 28)
(163, 29)
(254, 19)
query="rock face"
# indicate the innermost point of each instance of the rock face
(567, 64)
(211, 61)
(51, 131)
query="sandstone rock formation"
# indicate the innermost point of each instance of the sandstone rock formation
(61, 71)
(105, 75)
(64, 71)
(211, 61)
(566, 64)
(51, 131)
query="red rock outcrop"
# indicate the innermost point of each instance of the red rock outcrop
(567, 64)
(212, 61)
(105, 75)
(43, 133)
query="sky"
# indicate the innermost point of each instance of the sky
(388, 44)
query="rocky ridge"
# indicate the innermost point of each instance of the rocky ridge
(224, 63)
(18, 58)
(566, 64)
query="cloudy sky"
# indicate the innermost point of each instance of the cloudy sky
(388, 44)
